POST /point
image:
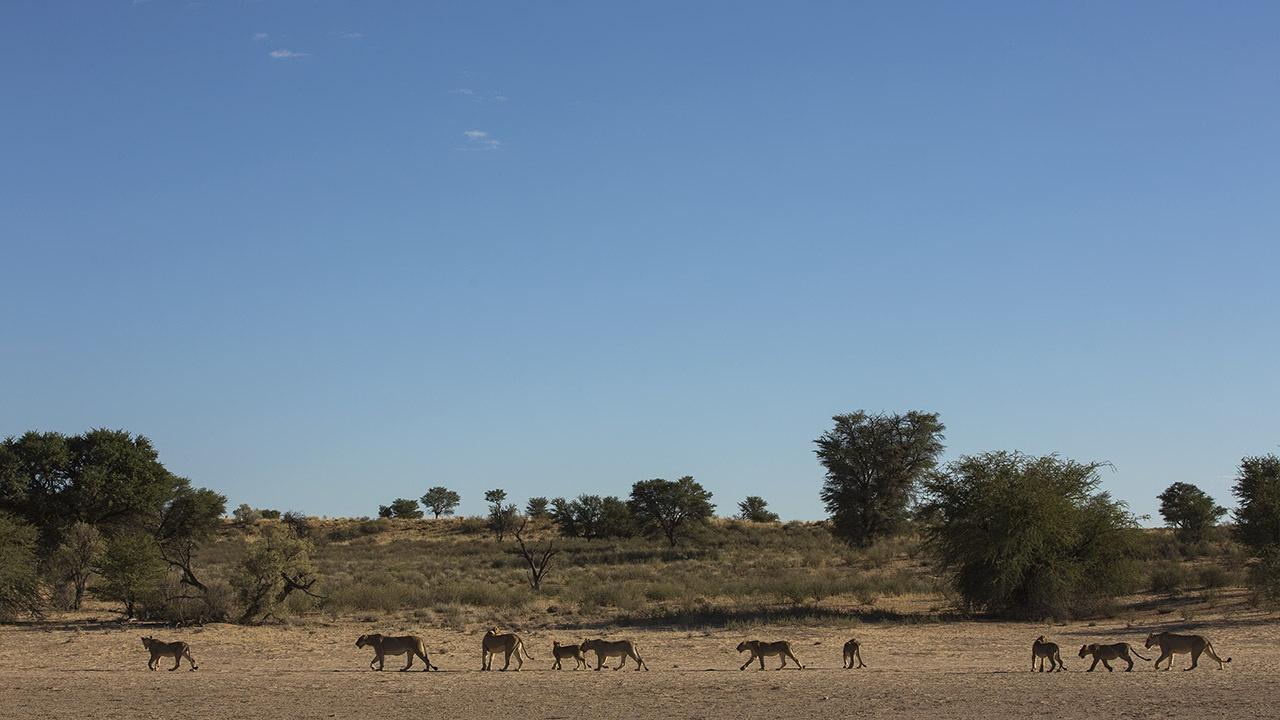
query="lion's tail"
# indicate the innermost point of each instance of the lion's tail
(525, 650)
(1209, 646)
(1135, 652)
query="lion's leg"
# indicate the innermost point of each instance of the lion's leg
(1195, 658)
(761, 659)
(506, 659)
(191, 660)
(409, 657)
(748, 662)
(795, 660)
(1095, 663)
(622, 661)
(1128, 660)
(177, 660)
(556, 664)
(151, 664)
(599, 662)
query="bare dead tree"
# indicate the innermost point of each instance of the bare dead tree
(538, 559)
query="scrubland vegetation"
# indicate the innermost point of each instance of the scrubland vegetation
(1000, 534)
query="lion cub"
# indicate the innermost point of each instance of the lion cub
(852, 650)
(1043, 649)
(562, 652)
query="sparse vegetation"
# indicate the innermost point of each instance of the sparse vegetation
(403, 508)
(19, 577)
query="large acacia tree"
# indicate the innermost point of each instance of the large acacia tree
(874, 463)
(1190, 511)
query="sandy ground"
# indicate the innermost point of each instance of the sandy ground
(916, 670)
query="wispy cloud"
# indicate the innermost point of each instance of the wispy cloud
(480, 140)
(475, 96)
(287, 54)
(261, 36)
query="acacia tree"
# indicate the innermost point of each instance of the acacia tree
(536, 508)
(537, 559)
(186, 522)
(1190, 512)
(400, 508)
(502, 517)
(671, 508)
(1029, 536)
(755, 509)
(441, 501)
(76, 558)
(874, 464)
(1257, 489)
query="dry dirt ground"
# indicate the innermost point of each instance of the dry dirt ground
(939, 670)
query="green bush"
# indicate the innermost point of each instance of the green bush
(19, 581)
(1214, 577)
(1167, 578)
(1029, 537)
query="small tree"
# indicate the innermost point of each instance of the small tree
(76, 557)
(536, 508)
(245, 515)
(538, 558)
(187, 521)
(441, 501)
(502, 518)
(755, 509)
(268, 514)
(1257, 489)
(400, 508)
(1190, 512)
(273, 567)
(670, 507)
(616, 520)
(874, 463)
(298, 523)
(131, 567)
(1029, 536)
(19, 578)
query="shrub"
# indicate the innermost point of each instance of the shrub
(272, 568)
(245, 515)
(755, 509)
(1029, 536)
(400, 508)
(1168, 578)
(75, 558)
(1214, 577)
(19, 581)
(1264, 577)
(270, 514)
(131, 569)
(298, 523)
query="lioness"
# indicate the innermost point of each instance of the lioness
(852, 650)
(760, 649)
(407, 645)
(567, 651)
(613, 648)
(1042, 649)
(1103, 653)
(1171, 645)
(507, 643)
(175, 650)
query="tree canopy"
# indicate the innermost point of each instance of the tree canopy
(1257, 490)
(873, 465)
(1190, 512)
(670, 507)
(441, 501)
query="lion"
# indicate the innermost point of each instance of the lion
(407, 645)
(760, 649)
(507, 643)
(1043, 649)
(561, 652)
(1103, 653)
(1171, 644)
(176, 650)
(614, 648)
(852, 649)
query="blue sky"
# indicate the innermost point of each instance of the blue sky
(330, 253)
